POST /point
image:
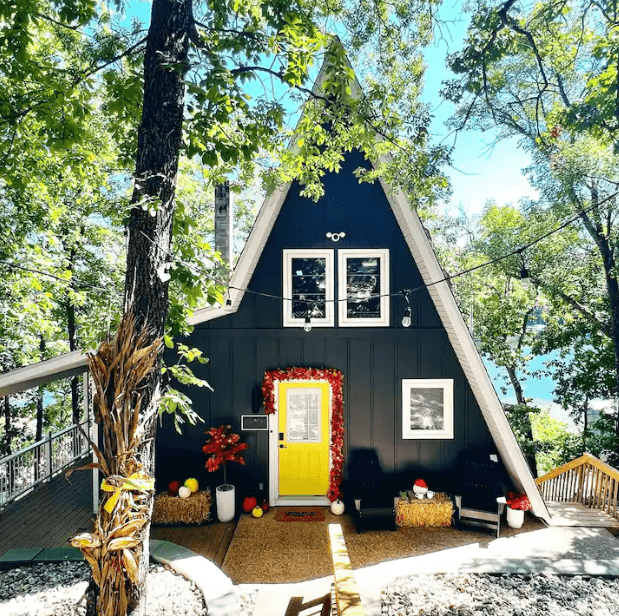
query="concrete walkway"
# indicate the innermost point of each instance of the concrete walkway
(568, 551)
(564, 551)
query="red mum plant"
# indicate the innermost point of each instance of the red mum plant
(222, 447)
(518, 501)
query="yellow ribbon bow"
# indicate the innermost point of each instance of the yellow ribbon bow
(136, 481)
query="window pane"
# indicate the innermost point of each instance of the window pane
(363, 288)
(309, 287)
(303, 415)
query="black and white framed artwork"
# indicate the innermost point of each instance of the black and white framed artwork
(427, 409)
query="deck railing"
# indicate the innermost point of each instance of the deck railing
(20, 472)
(586, 480)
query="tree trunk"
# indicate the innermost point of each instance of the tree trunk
(600, 235)
(521, 401)
(150, 226)
(513, 377)
(613, 299)
(7, 426)
(40, 411)
(76, 407)
(585, 429)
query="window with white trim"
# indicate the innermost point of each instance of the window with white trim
(363, 289)
(308, 287)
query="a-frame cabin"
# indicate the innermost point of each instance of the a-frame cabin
(418, 395)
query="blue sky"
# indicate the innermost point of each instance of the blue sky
(479, 173)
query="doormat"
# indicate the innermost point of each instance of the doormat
(300, 514)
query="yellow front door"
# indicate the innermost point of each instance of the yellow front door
(304, 434)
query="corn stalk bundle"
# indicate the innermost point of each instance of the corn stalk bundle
(113, 549)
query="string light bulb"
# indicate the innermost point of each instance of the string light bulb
(406, 319)
(525, 279)
(307, 326)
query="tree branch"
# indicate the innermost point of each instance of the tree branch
(96, 68)
(568, 299)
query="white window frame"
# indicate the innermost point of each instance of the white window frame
(289, 319)
(356, 253)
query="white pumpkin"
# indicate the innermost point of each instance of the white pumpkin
(337, 507)
(184, 492)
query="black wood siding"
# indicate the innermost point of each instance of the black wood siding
(374, 361)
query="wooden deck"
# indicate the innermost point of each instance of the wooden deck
(55, 511)
(211, 540)
(575, 514)
(50, 515)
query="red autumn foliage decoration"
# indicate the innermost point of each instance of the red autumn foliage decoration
(518, 501)
(222, 447)
(335, 379)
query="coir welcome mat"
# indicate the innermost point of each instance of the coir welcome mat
(300, 514)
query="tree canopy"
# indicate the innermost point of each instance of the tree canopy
(220, 82)
(546, 73)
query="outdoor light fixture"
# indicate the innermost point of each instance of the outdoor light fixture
(406, 319)
(308, 324)
(336, 237)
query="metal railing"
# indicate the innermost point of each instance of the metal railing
(22, 471)
(587, 481)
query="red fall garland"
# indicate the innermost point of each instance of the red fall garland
(335, 379)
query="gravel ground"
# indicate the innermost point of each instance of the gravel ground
(501, 595)
(55, 589)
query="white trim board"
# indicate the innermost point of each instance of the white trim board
(275, 499)
(59, 367)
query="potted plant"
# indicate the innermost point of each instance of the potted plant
(222, 447)
(517, 504)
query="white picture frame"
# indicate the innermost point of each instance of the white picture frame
(373, 292)
(292, 318)
(427, 409)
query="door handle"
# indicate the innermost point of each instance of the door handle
(282, 446)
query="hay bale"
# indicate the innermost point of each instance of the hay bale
(175, 510)
(437, 511)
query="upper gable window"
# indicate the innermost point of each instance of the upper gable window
(308, 287)
(363, 288)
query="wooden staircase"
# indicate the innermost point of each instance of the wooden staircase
(583, 492)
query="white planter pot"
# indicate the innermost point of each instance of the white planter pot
(515, 517)
(224, 496)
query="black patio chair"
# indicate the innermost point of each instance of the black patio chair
(479, 495)
(369, 493)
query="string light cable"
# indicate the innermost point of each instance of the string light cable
(404, 292)
(80, 285)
